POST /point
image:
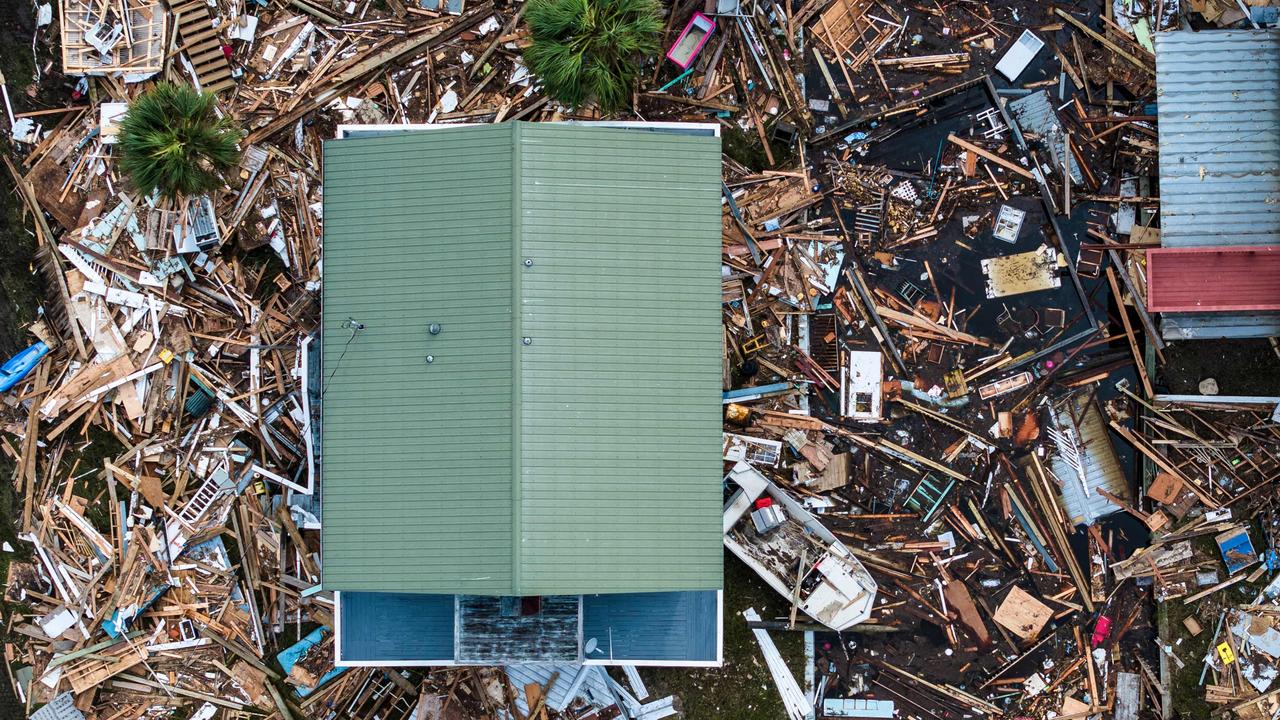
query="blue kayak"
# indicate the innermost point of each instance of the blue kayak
(12, 372)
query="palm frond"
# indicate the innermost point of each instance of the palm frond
(172, 140)
(591, 50)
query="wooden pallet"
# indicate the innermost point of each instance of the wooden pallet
(851, 30)
(198, 38)
(140, 50)
(92, 671)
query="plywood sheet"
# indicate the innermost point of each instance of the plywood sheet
(1022, 614)
(1022, 273)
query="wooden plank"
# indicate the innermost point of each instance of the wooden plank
(1138, 361)
(1110, 45)
(1006, 164)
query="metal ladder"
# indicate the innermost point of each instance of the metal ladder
(868, 220)
(211, 489)
(928, 496)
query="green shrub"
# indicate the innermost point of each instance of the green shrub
(591, 50)
(172, 140)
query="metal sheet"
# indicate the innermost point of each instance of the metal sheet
(565, 438)
(1085, 458)
(1219, 106)
(637, 627)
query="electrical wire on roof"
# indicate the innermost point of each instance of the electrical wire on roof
(355, 328)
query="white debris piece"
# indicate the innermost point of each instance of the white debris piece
(798, 706)
(24, 131)
(57, 622)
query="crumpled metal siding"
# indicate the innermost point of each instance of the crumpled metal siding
(1034, 113)
(1098, 461)
(573, 681)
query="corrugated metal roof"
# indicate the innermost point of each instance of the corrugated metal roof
(418, 458)
(1218, 326)
(1085, 448)
(585, 461)
(620, 390)
(1244, 278)
(1219, 106)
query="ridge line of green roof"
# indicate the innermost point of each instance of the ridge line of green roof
(517, 342)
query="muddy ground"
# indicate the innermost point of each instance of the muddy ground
(1241, 367)
(20, 286)
(21, 290)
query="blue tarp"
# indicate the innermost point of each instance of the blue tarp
(290, 655)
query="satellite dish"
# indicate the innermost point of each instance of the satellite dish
(592, 645)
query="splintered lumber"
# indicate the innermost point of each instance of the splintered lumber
(892, 448)
(1049, 505)
(1163, 463)
(977, 704)
(961, 601)
(412, 44)
(45, 234)
(1006, 164)
(916, 322)
(850, 30)
(1109, 45)
(1215, 588)
(1138, 360)
(788, 420)
(945, 64)
(128, 679)
(91, 671)
(140, 50)
(86, 380)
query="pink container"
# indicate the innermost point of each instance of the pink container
(689, 44)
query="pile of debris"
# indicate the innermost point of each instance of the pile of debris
(940, 394)
(944, 443)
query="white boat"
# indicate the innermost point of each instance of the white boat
(836, 589)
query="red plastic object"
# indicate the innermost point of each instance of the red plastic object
(764, 502)
(1101, 631)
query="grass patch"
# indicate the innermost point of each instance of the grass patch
(744, 146)
(743, 688)
(20, 296)
(1185, 686)
(97, 446)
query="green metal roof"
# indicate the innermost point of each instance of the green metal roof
(586, 461)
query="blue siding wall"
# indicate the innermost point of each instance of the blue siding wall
(665, 626)
(391, 627)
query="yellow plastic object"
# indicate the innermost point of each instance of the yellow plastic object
(165, 355)
(1224, 652)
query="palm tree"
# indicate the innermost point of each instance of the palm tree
(172, 140)
(590, 50)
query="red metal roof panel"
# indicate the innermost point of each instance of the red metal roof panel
(1213, 279)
